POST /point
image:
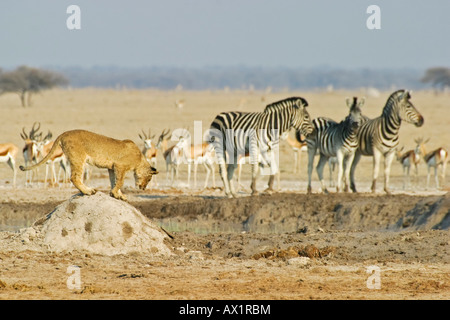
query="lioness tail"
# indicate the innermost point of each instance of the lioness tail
(46, 158)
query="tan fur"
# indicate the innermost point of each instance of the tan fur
(10, 148)
(57, 156)
(407, 159)
(297, 148)
(435, 158)
(118, 156)
(8, 154)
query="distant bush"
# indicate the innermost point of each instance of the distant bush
(438, 77)
(26, 81)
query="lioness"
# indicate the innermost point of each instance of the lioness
(119, 157)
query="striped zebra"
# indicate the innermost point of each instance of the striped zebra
(332, 139)
(379, 137)
(257, 133)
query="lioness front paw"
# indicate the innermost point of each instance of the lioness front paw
(89, 192)
(118, 196)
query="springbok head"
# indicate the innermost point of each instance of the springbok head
(420, 147)
(163, 136)
(183, 138)
(33, 135)
(147, 138)
(41, 142)
(31, 139)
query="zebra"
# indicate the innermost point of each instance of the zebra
(379, 137)
(332, 139)
(256, 133)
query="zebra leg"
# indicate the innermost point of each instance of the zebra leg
(331, 168)
(387, 170)
(239, 175)
(255, 167)
(270, 184)
(340, 159)
(347, 164)
(376, 169)
(322, 161)
(230, 172)
(311, 155)
(213, 169)
(356, 159)
(274, 171)
(222, 173)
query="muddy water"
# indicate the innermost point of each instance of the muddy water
(276, 213)
(290, 212)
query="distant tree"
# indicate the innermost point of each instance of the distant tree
(438, 77)
(26, 81)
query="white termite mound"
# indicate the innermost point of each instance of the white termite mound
(98, 224)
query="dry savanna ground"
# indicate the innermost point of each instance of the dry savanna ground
(287, 245)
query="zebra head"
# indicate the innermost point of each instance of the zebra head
(301, 120)
(406, 110)
(355, 118)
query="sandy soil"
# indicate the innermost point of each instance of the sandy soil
(286, 245)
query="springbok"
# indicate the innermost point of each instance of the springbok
(174, 156)
(30, 152)
(150, 151)
(297, 146)
(435, 158)
(8, 154)
(406, 159)
(44, 146)
(201, 154)
(166, 152)
(162, 141)
(179, 103)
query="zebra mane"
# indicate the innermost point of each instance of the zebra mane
(289, 102)
(393, 98)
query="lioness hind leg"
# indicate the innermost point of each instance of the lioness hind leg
(76, 178)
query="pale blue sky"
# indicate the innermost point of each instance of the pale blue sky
(197, 33)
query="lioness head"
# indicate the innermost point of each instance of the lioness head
(142, 177)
